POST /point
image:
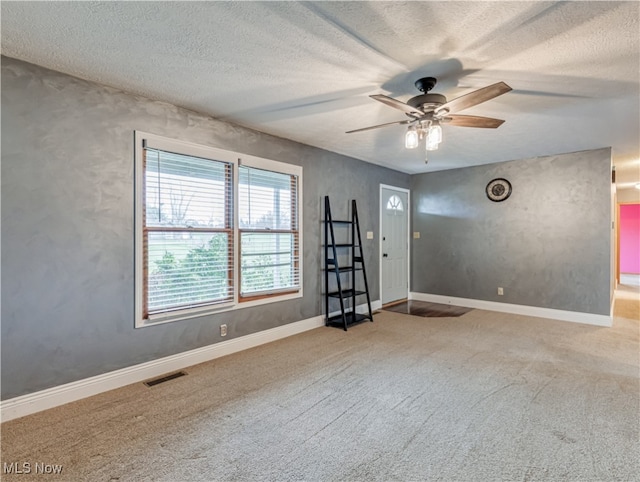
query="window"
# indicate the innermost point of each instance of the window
(268, 221)
(188, 231)
(395, 204)
(196, 253)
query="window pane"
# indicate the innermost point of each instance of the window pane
(186, 191)
(265, 199)
(395, 204)
(269, 262)
(187, 269)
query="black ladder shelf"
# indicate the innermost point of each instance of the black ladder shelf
(344, 258)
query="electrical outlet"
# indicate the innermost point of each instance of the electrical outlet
(416, 235)
(500, 291)
(369, 234)
(223, 330)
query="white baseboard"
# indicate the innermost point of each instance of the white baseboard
(70, 392)
(573, 316)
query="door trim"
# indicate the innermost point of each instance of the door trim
(380, 212)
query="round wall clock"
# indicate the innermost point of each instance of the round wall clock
(498, 189)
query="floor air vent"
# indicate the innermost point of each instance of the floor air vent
(166, 378)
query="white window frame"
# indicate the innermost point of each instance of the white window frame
(235, 159)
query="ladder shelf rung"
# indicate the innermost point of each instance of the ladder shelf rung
(357, 259)
(337, 320)
(345, 269)
(348, 293)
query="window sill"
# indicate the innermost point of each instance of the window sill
(249, 298)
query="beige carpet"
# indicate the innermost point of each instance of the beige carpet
(486, 396)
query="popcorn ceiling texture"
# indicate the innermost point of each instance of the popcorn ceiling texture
(304, 70)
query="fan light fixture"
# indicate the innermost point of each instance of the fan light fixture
(427, 110)
(412, 138)
(431, 132)
(434, 137)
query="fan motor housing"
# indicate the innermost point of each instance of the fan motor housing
(428, 101)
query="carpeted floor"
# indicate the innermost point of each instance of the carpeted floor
(485, 396)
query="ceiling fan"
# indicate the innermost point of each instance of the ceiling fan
(427, 112)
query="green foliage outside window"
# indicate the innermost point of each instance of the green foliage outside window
(199, 276)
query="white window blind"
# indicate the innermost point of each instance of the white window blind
(268, 227)
(188, 231)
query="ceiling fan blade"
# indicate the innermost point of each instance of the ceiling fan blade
(396, 104)
(378, 126)
(472, 121)
(474, 98)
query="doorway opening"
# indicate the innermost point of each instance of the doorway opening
(628, 235)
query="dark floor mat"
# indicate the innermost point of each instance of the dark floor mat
(426, 309)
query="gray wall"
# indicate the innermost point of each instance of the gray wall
(67, 227)
(548, 245)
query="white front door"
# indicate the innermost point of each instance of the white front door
(394, 216)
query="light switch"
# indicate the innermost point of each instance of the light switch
(416, 235)
(369, 234)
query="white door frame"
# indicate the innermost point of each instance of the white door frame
(380, 211)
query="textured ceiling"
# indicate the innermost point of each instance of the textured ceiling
(304, 70)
